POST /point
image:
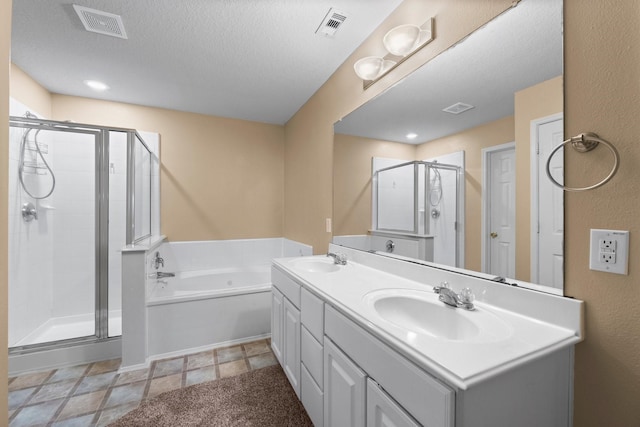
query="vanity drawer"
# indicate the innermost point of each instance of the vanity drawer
(429, 401)
(312, 314)
(286, 285)
(311, 354)
(311, 397)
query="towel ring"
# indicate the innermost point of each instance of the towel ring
(583, 143)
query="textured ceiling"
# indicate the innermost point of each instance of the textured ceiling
(516, 50)
(249, 59)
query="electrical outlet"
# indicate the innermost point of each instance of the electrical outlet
(608, 257)
(609, 251)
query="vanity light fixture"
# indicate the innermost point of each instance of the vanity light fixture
(400, 42)
(371, 67)
(96, 85)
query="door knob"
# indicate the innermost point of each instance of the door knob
(493, 234)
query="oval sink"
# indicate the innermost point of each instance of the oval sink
(422, 313)
(317, 265)
(433, 318)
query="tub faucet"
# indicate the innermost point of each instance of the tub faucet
(158, 261)
(448, 296)
(338, 258)
(160, 275)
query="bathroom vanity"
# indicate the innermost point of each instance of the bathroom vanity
(369, 343)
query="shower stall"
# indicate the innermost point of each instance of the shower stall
(77, 195)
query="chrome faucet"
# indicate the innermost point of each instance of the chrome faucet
(464, 299)
(338, 258)
(158, 261)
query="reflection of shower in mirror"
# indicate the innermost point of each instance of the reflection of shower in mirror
(418, 201)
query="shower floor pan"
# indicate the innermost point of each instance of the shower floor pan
(62, 328)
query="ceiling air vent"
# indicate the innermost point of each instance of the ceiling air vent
(457, 108)
(101, 22)
(331, 22)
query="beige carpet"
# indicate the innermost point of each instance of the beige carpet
(262, 397)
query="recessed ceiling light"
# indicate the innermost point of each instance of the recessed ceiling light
(412, 135)
(96, 85)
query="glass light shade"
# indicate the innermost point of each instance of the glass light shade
(369, 68)
(372, 67)
(387, 64)
(402, 40)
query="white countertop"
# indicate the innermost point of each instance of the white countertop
(507, 338)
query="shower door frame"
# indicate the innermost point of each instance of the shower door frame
(101, 283)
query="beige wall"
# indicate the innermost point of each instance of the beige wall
(29, 92)
(309, 134)
(352, 177)
(538, 101)
(5, 41)
(602, 95)
(472, 142)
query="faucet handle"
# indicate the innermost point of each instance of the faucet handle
(439, 288)
(466, 296)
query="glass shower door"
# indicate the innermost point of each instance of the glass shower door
(53, 234)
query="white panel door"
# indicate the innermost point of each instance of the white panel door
(550, 209)
(502, 211)
(344, 389)
(277, 312)
(291, 345)
(382, 411)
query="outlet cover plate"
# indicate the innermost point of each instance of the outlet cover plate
(609, 251)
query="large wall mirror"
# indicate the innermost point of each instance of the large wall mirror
(449, 165)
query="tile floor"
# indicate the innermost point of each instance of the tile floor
(95, 394)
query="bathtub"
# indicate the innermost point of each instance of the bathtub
(213, 283)
(220, 295)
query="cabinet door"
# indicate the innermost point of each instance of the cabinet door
(382, 411)
(344, 389)
(277, 313)
(291, 345)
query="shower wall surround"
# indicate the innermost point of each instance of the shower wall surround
(31, 254)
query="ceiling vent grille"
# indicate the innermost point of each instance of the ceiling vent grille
(331, 23)
(457, 108)
(101, 22)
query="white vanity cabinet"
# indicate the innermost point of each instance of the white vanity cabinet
(297, 335)
(277, 312)
(408, 388)
(291, 344)
(383, 411)
(345, 386)
(347, 371)
(312, 355)
(285, 321)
